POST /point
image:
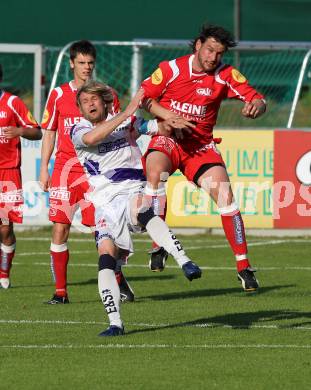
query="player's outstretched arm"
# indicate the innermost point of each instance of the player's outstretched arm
(177, 122)
(254, 109)
(152, 106)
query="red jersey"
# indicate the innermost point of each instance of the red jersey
(61, 113)
(13, 112)
(196, 96)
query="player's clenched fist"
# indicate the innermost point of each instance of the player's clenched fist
(254, 108)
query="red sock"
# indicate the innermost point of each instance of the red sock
(6, 263)
(59, 261)
(234, 229)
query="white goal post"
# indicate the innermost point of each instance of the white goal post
(35, 211)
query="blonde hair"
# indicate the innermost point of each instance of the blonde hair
(96, 88)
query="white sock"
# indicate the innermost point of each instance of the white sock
(160, 233)
(110, 295)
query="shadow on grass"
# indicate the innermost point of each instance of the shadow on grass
(129, 278)
(240, 321)
(212, 293)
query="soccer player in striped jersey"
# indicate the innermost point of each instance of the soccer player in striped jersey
(15, 121)
(68, 186)
(193, 87)
(106, 147)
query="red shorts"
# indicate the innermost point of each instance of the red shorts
(68, 191)
(187, 163)
(11, 196)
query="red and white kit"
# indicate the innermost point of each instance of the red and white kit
(69, 185)
(197, 98)
(13, 112)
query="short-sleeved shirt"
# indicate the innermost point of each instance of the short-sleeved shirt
(13, 112)
(196, 96)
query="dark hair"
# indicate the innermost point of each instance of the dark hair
(96, 88)
(1, 72)
(218, 33)
(83, 47)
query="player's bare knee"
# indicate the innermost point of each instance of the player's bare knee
(60, 233)
(7, 235)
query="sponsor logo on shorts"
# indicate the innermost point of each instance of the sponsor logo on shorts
(237, 76)
(101, 223)
(164, 142)
(59, 193)
(207, 147)
(11, 197)
(157, 77)
(204, 91)
(238, 230)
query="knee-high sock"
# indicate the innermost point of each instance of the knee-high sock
(160, 233)
(157, 200)
(7, 255)
(59, 262)
(108, 289)
(233, 226)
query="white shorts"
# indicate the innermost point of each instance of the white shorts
(113, 219)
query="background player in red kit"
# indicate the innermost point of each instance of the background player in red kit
(193, 87)
(68, 185)
(15, 121)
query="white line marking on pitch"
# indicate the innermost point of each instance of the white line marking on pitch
(46, 264)
(156, 346)
(190, 325)
(274, 242)
(185, 239)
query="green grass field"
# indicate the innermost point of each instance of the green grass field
(179, 335)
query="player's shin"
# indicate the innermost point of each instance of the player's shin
(156, 198)
(59, 261)
(7, 255)
(234, 230)
(108, 289)
(160, 233)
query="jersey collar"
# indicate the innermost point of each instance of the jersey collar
(72, 87)
(191, 73)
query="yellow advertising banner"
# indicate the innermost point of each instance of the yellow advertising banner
(248, 155)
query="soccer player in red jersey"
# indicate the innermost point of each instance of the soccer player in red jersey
(68, 186)
(15, 121)
(193, 87)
